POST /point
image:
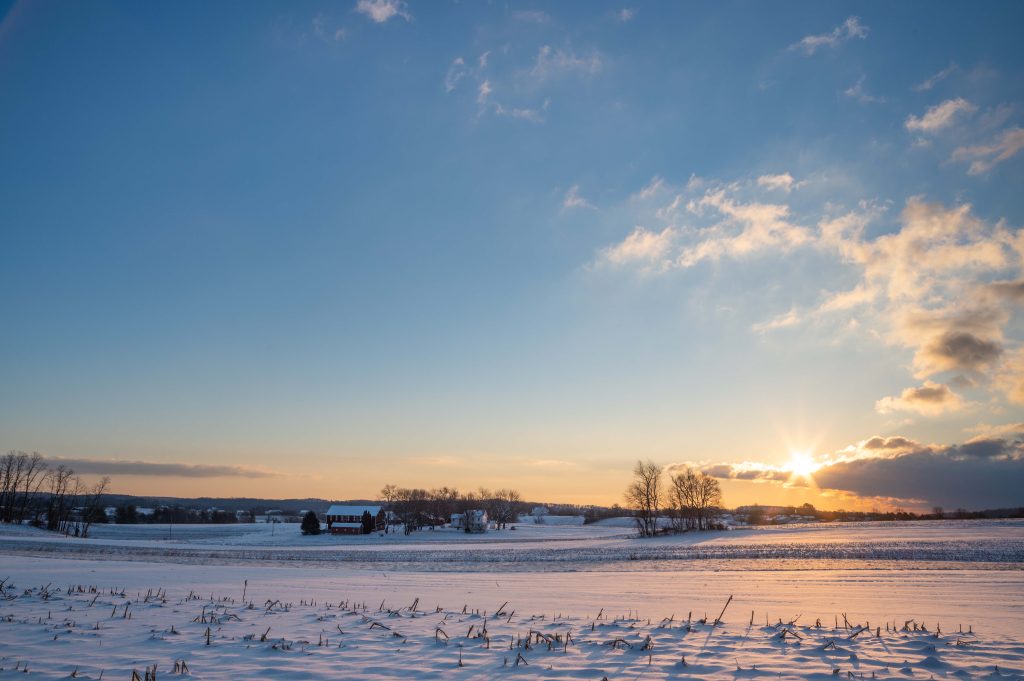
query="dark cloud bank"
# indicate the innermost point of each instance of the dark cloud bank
(985, 472)
(180, 470)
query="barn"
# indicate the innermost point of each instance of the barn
(349, 519)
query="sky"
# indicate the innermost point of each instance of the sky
(308, 249)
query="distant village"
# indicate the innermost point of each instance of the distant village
(356, 518)
(55, 498)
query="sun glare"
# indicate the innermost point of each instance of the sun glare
(801, 464)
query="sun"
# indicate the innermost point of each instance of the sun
(801, 464)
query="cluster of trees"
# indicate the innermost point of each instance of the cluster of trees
(127, 514)
(691, 499)
(52, 497)
(418, 508)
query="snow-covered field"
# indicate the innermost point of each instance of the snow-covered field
(411, 607)
(548, 547)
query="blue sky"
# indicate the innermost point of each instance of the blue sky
(513, 244)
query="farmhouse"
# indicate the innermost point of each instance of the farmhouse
(349, 519)
(470, 521)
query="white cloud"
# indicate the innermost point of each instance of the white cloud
(989, 431)
(846, 300)
(641, 246)
(985, 157)
(791, 318)
(936, 281)
(1009, 378)
(380, 11)
(522, 113)
(747, 228)
(669, 211)
(483, 92)
(940, 116)
(849, 29)
(626, 14)
(933, 80)
(930, 399)
(653, 187)
(574, 200)
(456, 72)
(782, 182)
(549, 64)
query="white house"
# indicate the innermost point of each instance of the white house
(470, 521)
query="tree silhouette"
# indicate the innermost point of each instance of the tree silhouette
(310, 523)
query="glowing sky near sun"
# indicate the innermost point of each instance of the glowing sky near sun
(310, 249)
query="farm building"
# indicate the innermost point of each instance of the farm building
(470, 521)
(350, 519)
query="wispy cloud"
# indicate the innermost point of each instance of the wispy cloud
(118, 467)
(548, 67)
(936, 78)
(381, 11)
(651, 188)
(986, 156)
(553, 63)
(626, 14)
(746, 229)
(782, 182)
(849, 29)
(1009, 377)
(733, 228)
(938, 281)
(483, 92)
(574, 200)
(791, 318)
(641, 246)
(522, 113)
(858, 92)
(456, 72)
(322, 31)
(940, 116)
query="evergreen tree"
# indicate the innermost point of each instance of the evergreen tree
(310, 524)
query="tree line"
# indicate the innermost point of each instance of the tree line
(48, 496)
(128, 514)
(691, 499)
(418, 508)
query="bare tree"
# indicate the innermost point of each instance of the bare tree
(694, 498)
(93, 505)
(443, 501)
(62, 483)
(389, 494)
(412, 507)
(644, 495)
(21, 478)
(504, 506)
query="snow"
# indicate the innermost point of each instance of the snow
(340, 591)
